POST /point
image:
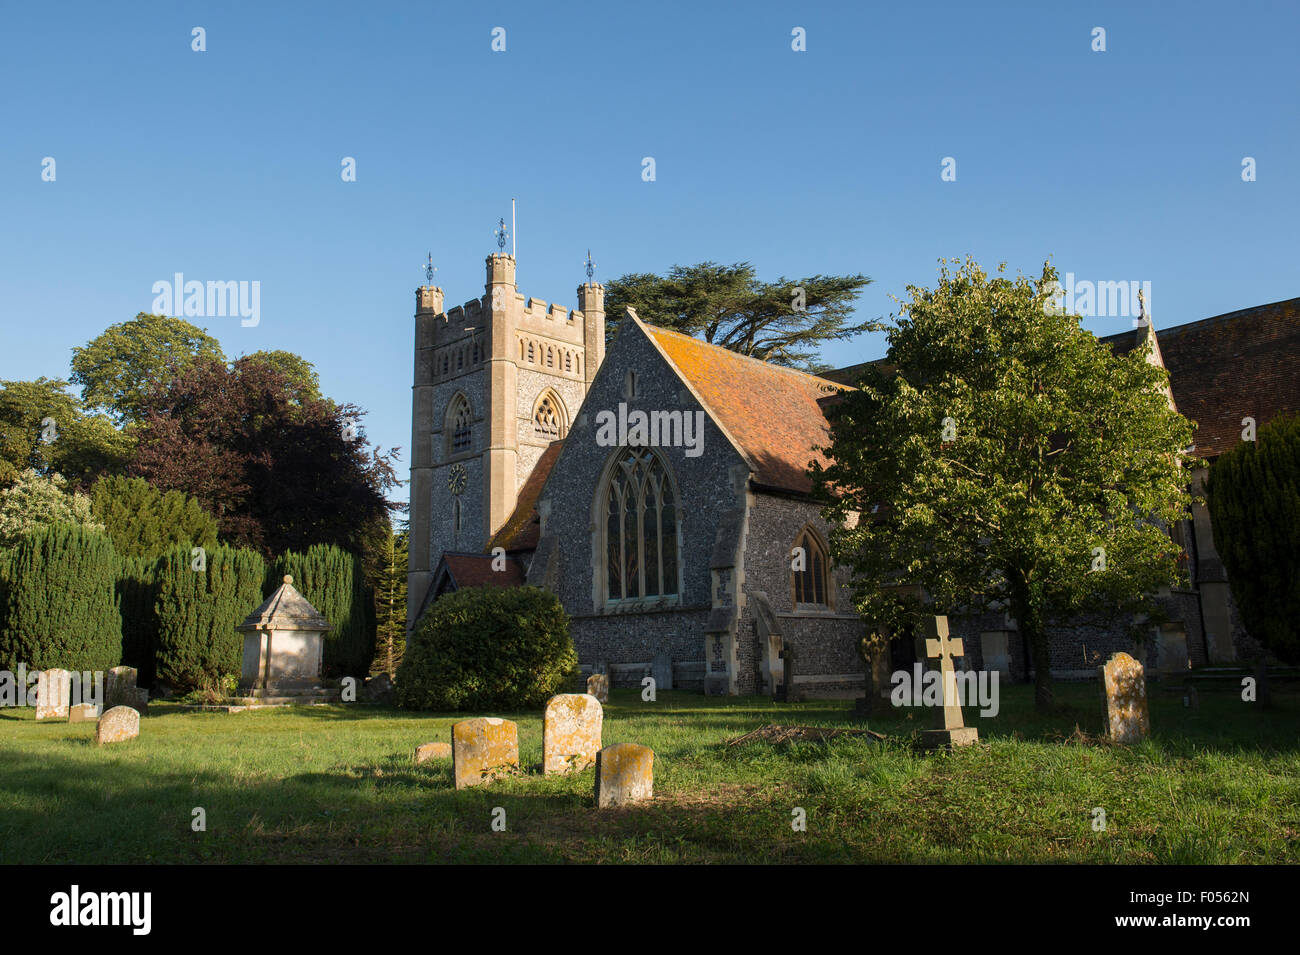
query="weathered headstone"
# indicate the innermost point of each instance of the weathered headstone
(83, 713)
(1124, 692)
(430, 751)
(53, 694)
(483, 748)
(598, 686)
(994, 645)
(118, 724)
(571, 728)
(786, 692)
(1171, 651)
(118, 684)
(952, 730)
(624, 775)
(661, 670)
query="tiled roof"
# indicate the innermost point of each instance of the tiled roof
(521, 531)
(286, 609)
(475, 570)
(1242, 364)
(773, 414)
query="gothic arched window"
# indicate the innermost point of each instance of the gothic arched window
(810, 570)
(549, 422)
(568, 361)
(457, 427)
(639, 525)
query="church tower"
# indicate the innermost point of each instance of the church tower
(496, 381)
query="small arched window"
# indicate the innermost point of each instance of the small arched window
(476, 353)
(521, 349)
(444, 364)
(458, 427)
(629, 384)
(550, 357)
(810, 570)
(568, 361)
(549, 417)
(530, 353)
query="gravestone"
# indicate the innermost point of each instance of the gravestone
(995, 647)
(118, 724)
(430, 751)
(118, 684)
(1191, 698)
(1124, 696)
(482, 749)
(624, 775)
(598, 686)
(661, 670)
(53, 694)
(786, 692)
(952, 729)
(1172, 661)
(84, 713)
(571, 728)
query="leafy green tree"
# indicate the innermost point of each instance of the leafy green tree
(299, 373)
(333, 582)
(119, 367)
(1010, 460)
(1253, 494)
(60, 606)
(44, 427)
(146, 522)
(198, 610)
(487, 648)
(35, 501)
(782, 322)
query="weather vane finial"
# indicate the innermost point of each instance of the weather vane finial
(429, 269)
(590, 268)
(502, 233)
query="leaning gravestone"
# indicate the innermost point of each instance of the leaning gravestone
(482, 749)
(429, 751)
(118, 724)
(53, 694)
(952, 730)
(570, 733)
(598, 686)
(661, 668)
(624, 775)
(84, 713)
(1124, 695)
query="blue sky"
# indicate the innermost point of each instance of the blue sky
(225, 164)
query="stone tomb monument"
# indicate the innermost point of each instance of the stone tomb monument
(1124, 696)
(952, 730)
(283, 642)
(571, 729)
(483, 748)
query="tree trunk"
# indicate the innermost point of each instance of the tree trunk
(1030, 619)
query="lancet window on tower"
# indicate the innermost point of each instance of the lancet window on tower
(458, 427)
(549, 418)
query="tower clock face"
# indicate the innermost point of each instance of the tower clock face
(457, 479)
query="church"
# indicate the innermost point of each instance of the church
(658, 486)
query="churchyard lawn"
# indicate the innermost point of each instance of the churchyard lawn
(1217, 784)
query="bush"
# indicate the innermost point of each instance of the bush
(60, 607)
(333, 582)
(488, 648)
(198, 646)
(146, 522)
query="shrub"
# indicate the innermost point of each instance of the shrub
(60, 606)
(487, 648)
(146, 522)
(333, 582)
(198, 646)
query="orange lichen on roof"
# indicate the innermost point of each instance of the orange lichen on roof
(773, 413)
(521, 531)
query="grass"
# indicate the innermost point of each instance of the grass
(1218, 784)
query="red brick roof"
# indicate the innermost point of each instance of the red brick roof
(475, 570)
(772, 413)
(1242, 364)
(521, 531)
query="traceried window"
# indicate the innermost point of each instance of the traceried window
(458, 428)
(811, 573)
(640, 528)
(548, 418)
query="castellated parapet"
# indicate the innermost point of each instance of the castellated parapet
(523, 366)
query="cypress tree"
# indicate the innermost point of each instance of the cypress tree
(333, 582)
(198, 610)
(60, 605)
(1253, 494)
(144, 521)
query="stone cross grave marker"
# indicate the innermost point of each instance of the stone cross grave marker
(952, 730)
(483, 748)
(571, 728)
(1124, 695)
